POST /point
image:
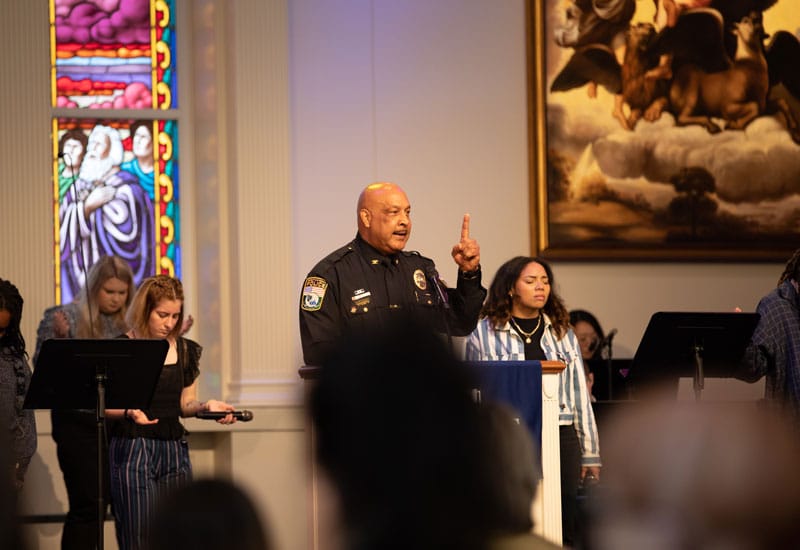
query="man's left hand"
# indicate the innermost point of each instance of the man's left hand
(467, 253)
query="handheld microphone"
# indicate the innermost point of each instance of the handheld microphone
(433, 276)
(244, 416)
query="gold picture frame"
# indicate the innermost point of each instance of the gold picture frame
(657, 190)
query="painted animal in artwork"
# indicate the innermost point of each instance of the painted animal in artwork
(644, 97)
(737, 95)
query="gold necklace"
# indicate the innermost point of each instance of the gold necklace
(527, 335)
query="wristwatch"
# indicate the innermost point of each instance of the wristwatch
(470, 275)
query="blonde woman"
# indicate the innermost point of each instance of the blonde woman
(97, 312)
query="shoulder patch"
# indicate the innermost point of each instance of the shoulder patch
(313, 293)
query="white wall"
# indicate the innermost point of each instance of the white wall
(430, 95)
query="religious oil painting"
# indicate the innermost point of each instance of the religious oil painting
(665, 129)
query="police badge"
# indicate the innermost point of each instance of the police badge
(420, 280)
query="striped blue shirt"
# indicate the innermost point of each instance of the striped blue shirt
(487, 343)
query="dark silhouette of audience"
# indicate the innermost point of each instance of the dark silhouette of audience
(698, 476)
(208, 513)
(514, 475)
(513, 465)
(405, 447)
(395, 432)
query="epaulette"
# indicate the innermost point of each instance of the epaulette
(416, 254)
(333, 258)
(337, 255)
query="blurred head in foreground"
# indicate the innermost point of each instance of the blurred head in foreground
(208, 513)
(398, 435)
(513, 466)
(699, 476)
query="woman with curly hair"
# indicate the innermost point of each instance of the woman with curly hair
(15, 377)
(524, 318)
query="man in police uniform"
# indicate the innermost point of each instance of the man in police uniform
(366, 282)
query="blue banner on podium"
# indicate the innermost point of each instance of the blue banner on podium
(518, 384)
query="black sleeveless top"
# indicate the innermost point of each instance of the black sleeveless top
(166, 403)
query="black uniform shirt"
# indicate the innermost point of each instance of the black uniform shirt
(357, 287)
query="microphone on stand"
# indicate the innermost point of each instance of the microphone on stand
(244, 416)
(606, 342)
(433, 277)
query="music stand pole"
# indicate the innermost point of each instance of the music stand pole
(101, 425)
(610, 369)
(699, 377)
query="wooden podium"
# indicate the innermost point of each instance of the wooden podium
(547, 504)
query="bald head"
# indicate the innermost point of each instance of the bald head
(384, 217)
(377, 191)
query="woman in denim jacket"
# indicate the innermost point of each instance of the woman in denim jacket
(525, 319)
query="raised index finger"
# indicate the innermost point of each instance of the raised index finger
(465, 227)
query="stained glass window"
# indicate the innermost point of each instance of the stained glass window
(115, 174)
(113, 53)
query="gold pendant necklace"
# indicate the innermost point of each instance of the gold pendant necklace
(527, 335)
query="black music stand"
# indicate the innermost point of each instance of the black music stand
(677, 344)
(118, 373)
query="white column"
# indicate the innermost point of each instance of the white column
(547, 506)
(259, 300)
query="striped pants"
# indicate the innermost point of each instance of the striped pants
(142, 470)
